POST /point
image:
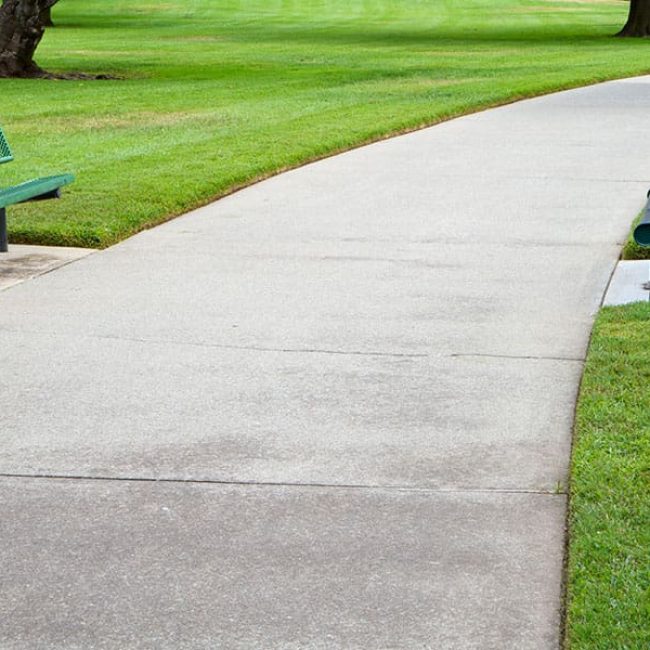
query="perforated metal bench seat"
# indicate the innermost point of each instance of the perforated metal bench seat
(37, 189)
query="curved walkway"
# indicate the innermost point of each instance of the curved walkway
(333, 410)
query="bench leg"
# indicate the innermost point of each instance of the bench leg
(4, 247)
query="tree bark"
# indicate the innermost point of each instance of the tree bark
(46, 17)
(21, 29)
(638, 20)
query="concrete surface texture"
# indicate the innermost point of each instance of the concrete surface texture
(630, 283)
(22, 263)
(332, 410)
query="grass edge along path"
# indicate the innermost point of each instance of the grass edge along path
(608, 566)
(216, 96)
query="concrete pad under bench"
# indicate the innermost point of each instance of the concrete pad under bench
(25, 262)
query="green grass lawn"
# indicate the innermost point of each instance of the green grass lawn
(217, 93)
(609, 558)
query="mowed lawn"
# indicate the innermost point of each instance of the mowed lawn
(609, 555)
(214, 94)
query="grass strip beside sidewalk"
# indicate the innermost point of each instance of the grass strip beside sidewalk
(609, 552)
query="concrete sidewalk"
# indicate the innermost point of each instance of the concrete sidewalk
(333, 410)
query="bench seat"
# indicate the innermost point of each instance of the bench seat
(32, 190)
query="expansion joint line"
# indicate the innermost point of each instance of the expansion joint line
(281, 484)
(524, 357)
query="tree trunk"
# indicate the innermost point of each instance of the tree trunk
(638, 20)
(46, 17)
(21, 30)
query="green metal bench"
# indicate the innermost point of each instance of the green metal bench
(38, 189)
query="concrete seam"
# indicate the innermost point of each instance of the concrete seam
(518, 357)
(342, 486)
(245, 348)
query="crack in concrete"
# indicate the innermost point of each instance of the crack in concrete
(587, 179)
(254, 348)
(340, 486)
(516, 357)
(224, 346)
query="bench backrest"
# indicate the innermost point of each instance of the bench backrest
(5, 151)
